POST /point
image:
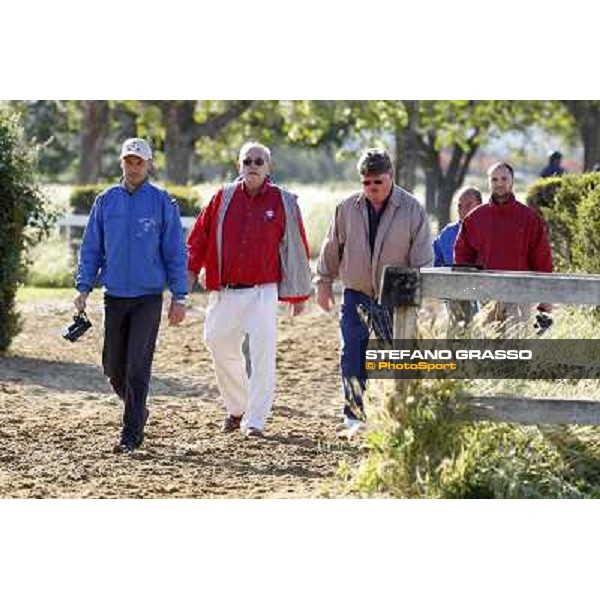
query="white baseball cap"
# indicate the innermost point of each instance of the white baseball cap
(136, 147)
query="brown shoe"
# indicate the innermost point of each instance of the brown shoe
(231, 423)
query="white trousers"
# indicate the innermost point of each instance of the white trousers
(231, 314)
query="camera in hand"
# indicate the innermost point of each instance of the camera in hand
(77, 328)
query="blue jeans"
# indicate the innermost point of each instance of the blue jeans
(360, 314)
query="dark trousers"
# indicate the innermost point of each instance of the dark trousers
(360, 315)
(130, 331)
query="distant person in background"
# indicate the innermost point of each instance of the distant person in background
(504, 234)
(134, 238)
(443, 244)
(459, 311)
(554, 167)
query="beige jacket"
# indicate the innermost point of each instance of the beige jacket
(403, 239)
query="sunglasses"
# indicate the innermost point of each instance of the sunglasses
(259, 162)
(370, 182)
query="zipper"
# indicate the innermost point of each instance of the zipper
(128, 240)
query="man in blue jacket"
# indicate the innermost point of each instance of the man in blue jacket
(134, 238)
(443, 244)
(460, 312)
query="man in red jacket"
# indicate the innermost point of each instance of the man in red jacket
(505, 235)
(251, 243)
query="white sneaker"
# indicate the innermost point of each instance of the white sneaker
(354, 426)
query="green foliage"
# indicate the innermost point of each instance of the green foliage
(83, 196)
(509, 461)
(586, 252)
(23, 218)
(407, 461)
(188, 199)
(50, 125)
(439, 453)
(568, 205)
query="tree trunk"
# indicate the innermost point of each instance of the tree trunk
(446, 190)
(586, 114)
(94, 129)
(178, 119)
(590, 134)
(182, 131)
(407, 151)
(431, 187)
(441, 185)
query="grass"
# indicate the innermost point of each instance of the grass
(35, 294)
(52, 264)
(437, 453)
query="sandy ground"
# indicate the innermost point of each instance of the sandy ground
(59, 418)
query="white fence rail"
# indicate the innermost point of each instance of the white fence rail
(404, 289)
(72, 220)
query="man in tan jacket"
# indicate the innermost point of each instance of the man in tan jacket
(383, 224)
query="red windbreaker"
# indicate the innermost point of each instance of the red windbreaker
(252, 231)
(506, 237)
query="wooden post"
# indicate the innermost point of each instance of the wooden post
(401, 288)
(405, 325)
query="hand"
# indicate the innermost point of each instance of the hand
(325, 297)
(176, 313)
(80, 301)
(297, 308)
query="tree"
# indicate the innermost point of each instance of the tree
(49, 124)
(441, 136)
(95, 124)
(183, 127)
(450, 132)
(586, 115)
(23, 219)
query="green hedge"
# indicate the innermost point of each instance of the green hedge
(83, 196)
(23, 218)
(586, 250)
(567, 205)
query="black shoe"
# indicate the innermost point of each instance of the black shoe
(141, 438)
(123, 448)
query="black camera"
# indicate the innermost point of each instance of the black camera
(543, 322)
(77, 328)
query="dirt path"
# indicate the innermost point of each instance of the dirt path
(59, 419)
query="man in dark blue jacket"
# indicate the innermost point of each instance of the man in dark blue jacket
(134, 238)
(443, 245)
(460, 312)
(554, 167)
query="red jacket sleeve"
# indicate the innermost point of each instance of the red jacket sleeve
(464, 253)
(199, 237)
